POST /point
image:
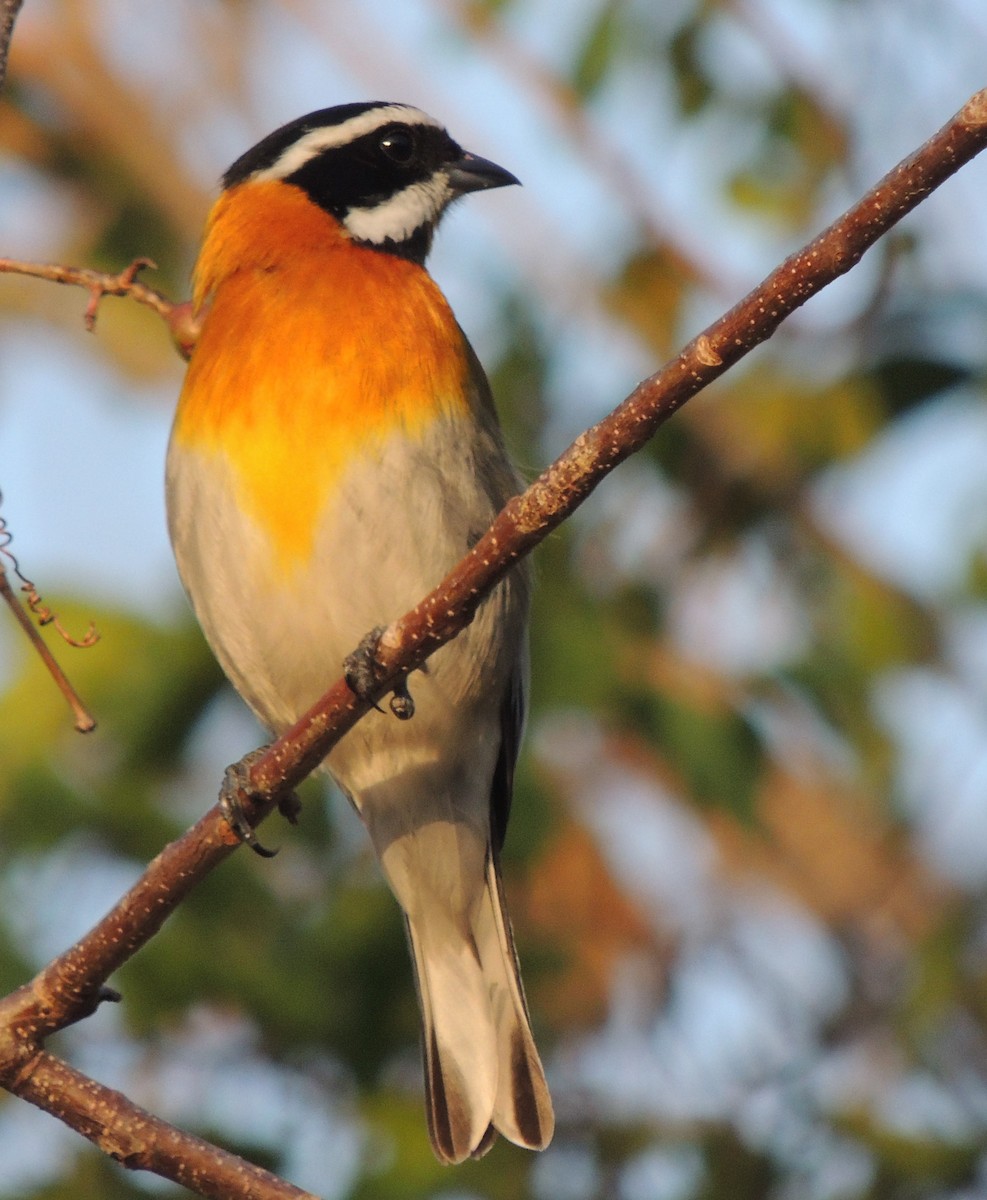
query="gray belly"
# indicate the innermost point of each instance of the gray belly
(400, 522)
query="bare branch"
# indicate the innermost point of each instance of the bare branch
(70, 987)
(8, 15)
(177, 316)
(564, 485)
(84, 720)
(142, 1142)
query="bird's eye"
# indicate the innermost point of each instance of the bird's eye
(398, 144)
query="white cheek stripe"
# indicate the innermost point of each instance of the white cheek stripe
(397, 218)
(328, 136)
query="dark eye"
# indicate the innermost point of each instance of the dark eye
(398, 144)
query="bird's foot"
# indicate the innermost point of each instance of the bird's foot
(401, 703)
(361, 669)
(362, 673)
(237, 784)
(290, 807)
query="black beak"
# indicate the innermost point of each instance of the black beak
(474, 174)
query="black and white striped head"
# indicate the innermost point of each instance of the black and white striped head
(386, 171)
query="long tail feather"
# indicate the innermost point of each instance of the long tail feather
(523, 1107)
(482, 1071)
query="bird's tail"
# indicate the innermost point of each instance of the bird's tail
(482, 1071)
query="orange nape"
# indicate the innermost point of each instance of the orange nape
(311, 345)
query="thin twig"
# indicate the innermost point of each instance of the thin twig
(8, 15)
(177, 316)
(85, 722)
(72, 985)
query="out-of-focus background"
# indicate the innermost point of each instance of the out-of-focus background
(748, 857)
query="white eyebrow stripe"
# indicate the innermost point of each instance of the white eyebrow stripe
(327, 137)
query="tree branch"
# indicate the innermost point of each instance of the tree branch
(565, 484)
(72, 985)
(177, 316)
(138, 1140)
(8, 15)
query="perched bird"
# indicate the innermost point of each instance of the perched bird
(335, 452)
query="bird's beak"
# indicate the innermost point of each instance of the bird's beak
(474, 174)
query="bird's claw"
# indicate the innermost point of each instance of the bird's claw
(401, 702)
(290, 807)
(362, 673)
(361, 670)
(236, 783)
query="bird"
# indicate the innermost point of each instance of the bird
(335, 451)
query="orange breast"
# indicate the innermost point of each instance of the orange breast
(313, 350)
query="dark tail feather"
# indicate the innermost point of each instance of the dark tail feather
(482, 1071)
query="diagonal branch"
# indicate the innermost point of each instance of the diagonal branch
(138, 1140)
(565, 484)
(71, 986)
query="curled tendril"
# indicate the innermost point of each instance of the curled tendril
(42, 612)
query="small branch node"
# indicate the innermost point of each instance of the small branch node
(113, 285)
(705, 352)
